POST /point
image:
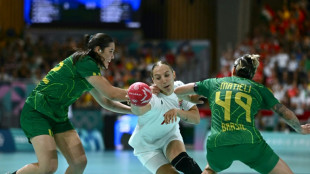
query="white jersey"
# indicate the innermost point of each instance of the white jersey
(149, 134)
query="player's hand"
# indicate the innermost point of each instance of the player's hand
(128, 99)
(197, 99)
(155, 90)
(170, 116)
(305, 129)
(205, 172)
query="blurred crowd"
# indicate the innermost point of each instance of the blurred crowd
(29, 59)
(282, 39)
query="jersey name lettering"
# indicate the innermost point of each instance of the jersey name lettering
(232, 127)
(235, 86)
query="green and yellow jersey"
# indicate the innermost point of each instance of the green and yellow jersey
(62, 86)
(234, 102)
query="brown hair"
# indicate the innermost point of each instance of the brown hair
(162, 62)
(91, 41)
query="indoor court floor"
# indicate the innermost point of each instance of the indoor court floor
(115, 162)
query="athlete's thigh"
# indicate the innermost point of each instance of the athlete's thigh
(45, 149)
(258, 156)
(70, 145)
(281, 168)
(174, 148)
(34, 123)
(158, 163)
(167, 169)
(220, 158)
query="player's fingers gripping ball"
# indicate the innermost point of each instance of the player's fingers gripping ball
(139, 94)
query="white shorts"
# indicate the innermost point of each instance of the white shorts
(156, 162)
(153, 160)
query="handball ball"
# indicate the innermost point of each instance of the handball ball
(139, 94)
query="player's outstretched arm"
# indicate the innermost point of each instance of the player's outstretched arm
(291, 119)
(186, 92)
(186, 89)
(109, 104)
(103, 86)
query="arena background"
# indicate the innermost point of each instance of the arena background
(200, 38)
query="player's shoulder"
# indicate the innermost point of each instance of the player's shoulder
(256, 84)
(212, 81)
(88, 59)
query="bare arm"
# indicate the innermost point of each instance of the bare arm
(140, 110)
(186, 92)
(186, 89)
(103, 86)
(190, 116)
(291, 119)
(109, 104)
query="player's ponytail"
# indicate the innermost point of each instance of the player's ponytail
(246, 66)
(86, 40)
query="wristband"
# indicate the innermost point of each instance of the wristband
(196, 88)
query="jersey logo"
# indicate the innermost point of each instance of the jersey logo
(45, 80)
(95, 74)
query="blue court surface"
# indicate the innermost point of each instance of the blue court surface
(112, 162)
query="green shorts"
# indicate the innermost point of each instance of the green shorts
(35, 123)
(258, 156)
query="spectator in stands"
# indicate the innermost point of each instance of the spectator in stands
(234, 103)
(44, 117)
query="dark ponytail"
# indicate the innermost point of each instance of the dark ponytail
(90, 42)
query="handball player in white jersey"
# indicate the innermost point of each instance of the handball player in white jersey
(156, 140)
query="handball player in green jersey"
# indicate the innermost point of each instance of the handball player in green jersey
(234, 102)
(44, 118)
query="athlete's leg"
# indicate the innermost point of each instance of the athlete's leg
(70, 145)
(174, 148)
(281, 168)
(156, 162)
(208, 170)
(45, 149)
(176, 153)
(167, 169)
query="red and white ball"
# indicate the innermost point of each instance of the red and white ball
(139, 94)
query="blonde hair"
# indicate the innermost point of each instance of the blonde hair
(247, 65)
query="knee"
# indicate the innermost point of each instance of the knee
(79, 163)
(50, 168)
(186, 164)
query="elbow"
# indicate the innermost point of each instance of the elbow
(197, 120)
(194, 120)
(177, 91)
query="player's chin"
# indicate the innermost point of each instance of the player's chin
(168, 91)
(106, 65)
